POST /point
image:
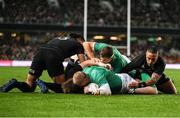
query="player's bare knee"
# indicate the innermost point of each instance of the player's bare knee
(31, 80)
(59, 79)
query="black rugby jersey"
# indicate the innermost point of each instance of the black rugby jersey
(64, 47)
(140, 63)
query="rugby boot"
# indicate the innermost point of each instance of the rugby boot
(9, 85)
(42, 86)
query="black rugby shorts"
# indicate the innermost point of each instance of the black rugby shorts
(46, 60)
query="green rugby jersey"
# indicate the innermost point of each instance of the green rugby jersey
(118, 61)
(100, 76)
(145, 77)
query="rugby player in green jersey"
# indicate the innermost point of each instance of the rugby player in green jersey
(107, 54)
(109, 83)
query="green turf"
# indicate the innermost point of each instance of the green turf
(19, 104)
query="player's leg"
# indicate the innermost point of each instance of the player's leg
(55, 70)
(42, 86)
(35, 72)
(57, 88)
(11, 84)
(167, 87)
(54, 87)
(29, 85)
(69, 74)
(23, 86)
(126, 80)
(59, 79)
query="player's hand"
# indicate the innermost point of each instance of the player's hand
(95, 60)
(108, 66)
(137, 79)
(133, 84)
(86, 90)
(96, 93)
(92, 88)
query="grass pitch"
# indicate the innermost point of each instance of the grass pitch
(17, 104)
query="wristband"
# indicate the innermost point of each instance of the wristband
(142, 84)
(131, 90)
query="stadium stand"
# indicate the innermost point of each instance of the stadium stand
(145, 13)
(21, 49)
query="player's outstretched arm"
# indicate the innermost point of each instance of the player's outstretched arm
(94, 63)
(88, 47)
(146, 90)
(136, 87)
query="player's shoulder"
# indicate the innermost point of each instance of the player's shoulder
(160, 60)
(140, 58)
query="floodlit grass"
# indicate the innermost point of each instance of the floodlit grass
(36, 104)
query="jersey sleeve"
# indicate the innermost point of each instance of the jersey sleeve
(160, 66)
(102, 80)
(145, 77)
(134, 64)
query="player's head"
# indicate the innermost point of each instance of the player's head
(152, 55)
(77, 37)
(106, 54)
(80, 79)
(69, 87)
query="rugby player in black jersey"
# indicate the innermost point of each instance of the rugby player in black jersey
(152, 64)
(50, 57)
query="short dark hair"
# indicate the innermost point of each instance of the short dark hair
(106, 52)
(60, 34)
(152, 49)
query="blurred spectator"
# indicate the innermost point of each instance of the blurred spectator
(144, 13)
(101, 13)
(13, 49)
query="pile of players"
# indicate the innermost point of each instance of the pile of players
(100, 69)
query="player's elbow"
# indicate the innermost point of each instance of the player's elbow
(155, 91)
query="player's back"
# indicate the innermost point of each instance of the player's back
(100, 76)
(64, 47)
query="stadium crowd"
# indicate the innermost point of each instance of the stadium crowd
(24, 50)
(145, 13)
(170, 55)
(17, 50)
